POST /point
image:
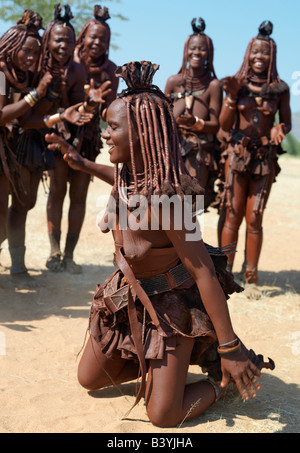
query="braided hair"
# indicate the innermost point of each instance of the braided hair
(198, 30)
(150, 112)
(264, 31)
(13, 39)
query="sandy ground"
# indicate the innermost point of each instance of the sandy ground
(42, 330)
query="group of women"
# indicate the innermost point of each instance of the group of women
(52, 82)
(165, 305)
(235, 139)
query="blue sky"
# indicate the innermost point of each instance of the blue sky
(157, 29)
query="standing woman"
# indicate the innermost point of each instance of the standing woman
(253, 97)
(197, 98)
(92, 51)
(164, 307)
(32, 154)
(66, 90)
(19, 54)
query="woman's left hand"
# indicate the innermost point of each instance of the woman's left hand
(277, 134)
(243, 372)
(186, 120)
(72, 115)
(98, 95)
(56, 142)
(189, 121)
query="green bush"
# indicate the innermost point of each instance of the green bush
(291, 145)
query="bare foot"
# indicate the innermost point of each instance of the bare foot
(70, 266)
(252, 291)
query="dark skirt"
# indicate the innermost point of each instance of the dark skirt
(180, 312)
(251, 161)
(32, 152)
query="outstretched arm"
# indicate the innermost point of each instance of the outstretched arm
(70, 114)
(195, 257)
(77, 162)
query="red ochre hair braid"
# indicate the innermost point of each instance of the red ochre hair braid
(150, 112)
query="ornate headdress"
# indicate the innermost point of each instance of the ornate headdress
(101, 15)
(32, 20)
(62, 19)
(199, 30)
(59, 19)
(264, 33)
(265, 30)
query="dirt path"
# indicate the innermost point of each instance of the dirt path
(42, 330)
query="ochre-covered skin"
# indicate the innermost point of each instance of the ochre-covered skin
(19, 55)
(180, 325)
(197, 96)
(251, 143)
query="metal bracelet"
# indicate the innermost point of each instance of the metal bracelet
(229, 352)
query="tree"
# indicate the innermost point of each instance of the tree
(12, 10)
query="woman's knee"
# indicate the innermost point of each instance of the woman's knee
(86, 383)
(254, 223)
(164, 408)
(78, 196)
(28, 202)
(233, 221)
(31, 202)
(89, 381)
(58, 186)
(163, 415)
(57, 193)
(95, 371)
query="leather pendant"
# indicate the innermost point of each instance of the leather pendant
(258, 100)
(189, 102)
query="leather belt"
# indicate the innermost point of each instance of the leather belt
(165, 282)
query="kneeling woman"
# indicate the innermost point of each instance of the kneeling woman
(162, 324)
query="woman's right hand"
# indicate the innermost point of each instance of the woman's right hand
(43, 84)
(70, 155)
(243, 372)
(73, 116)
(232, 86)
